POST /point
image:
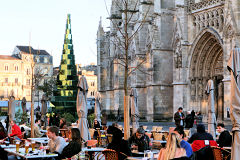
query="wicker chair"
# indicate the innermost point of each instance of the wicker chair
(110, 154)
(217, 153)
(157, 136)
(159, 129)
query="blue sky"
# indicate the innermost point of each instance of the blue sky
(45, 21)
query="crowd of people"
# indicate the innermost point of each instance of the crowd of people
(177, 146)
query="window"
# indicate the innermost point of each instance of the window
(6, 67)
(16, 68)
(28, 71)
(28, 82)
(45, 60)
(16, 80)
(6, 80)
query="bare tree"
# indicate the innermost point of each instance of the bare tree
(131, 23)
(36, 75)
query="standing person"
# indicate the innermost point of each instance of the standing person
(119, 145)
(74, 146)
(188, 120)
(139, 140)
(56, 143)
(179, 117)
(15, 130)
(172, 150)
(199, 118)
(225, 139)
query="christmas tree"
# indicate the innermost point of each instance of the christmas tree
(66, 92)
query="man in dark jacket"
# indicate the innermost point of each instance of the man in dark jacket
(188, 120)
(200, 135)
(179, 117)
(225, 139)
(139, 140)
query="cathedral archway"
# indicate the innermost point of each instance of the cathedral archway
(206, 63)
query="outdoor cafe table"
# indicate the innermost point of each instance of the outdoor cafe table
(35, 154)
(43, 140)
(8, 146)
(92, 150)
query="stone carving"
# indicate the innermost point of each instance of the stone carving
(177, 46)
(210, 18)
(205, 4)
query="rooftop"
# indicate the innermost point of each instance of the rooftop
(7, 57)
(26, 49)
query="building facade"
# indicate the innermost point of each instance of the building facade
(16, 72)
(90, 72)
(183, 43)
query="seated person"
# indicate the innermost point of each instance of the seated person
(74, 146)
(3, 133)
(56, 143)
(96, 125)
(139, 140)
(15, 131)
(200, 135)
(172, 150)
(37, 132)
(119, 145)
(225, 139)
(184, 144)
(112, 128)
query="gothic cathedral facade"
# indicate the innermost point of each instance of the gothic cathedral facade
(180, 45)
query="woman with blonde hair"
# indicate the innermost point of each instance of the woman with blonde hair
(172, 150)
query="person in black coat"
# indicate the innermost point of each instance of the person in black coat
(225, 139)
(112, 128)
(119, 145)
(200, 135)
(188, 120)
(179, 117)
(74, 146)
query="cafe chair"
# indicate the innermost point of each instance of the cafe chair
(157, 136)
(92, 143)
(159, 129)
(187, 133)
(109, 138)
(109, 154)
(217, 153)
(154, 128)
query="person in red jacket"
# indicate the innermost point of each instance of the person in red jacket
(15, 130)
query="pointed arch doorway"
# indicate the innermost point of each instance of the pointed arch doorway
(207, 63)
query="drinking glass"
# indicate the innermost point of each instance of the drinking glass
(26, 147)
(17, 146)
(33, 145)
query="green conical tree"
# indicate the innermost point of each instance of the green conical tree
(66, 91)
